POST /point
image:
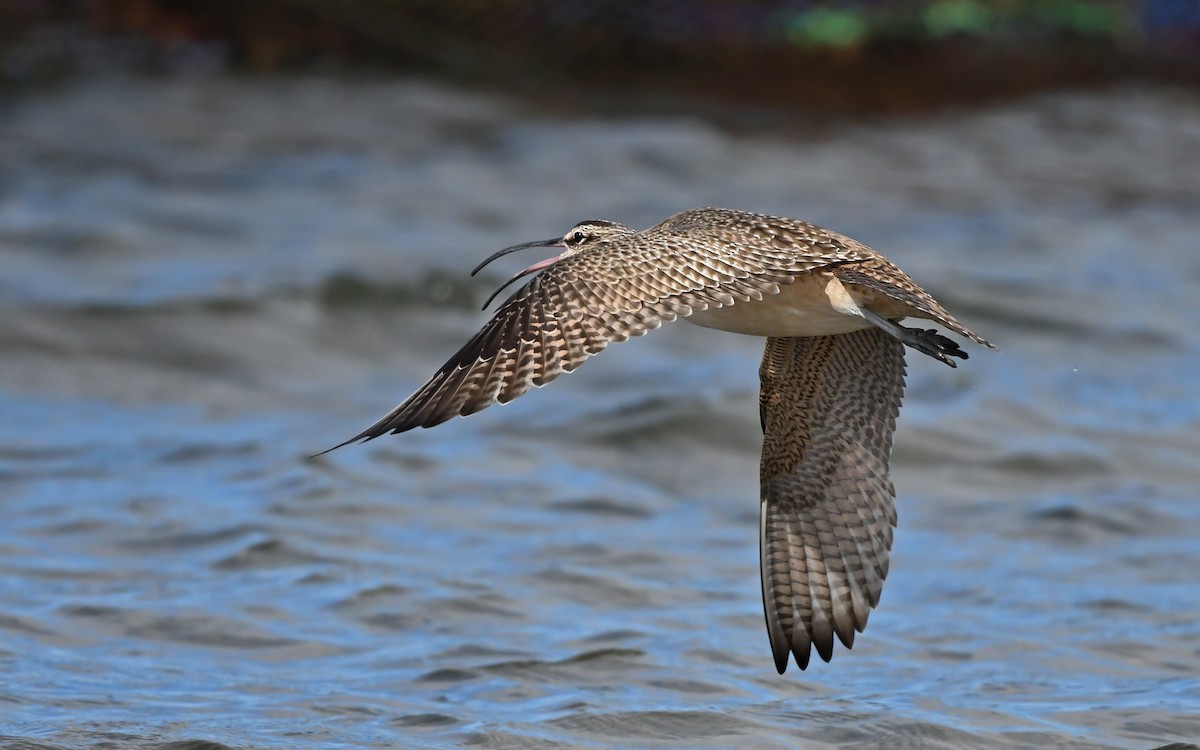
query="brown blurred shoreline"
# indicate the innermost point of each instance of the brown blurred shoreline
(832, 58)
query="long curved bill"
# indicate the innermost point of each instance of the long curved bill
(515, 248)
(553, 242)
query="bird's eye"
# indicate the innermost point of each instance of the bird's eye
(577, 237)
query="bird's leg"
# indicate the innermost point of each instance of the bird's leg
(927, 340)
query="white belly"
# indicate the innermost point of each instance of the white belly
(812, 306)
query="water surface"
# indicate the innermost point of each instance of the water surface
(205, 282)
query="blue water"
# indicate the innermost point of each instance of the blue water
(203, 283)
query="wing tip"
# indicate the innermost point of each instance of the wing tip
(360, 437)
(781, 662)
(824, 648)
(780, 650)
(388, 425)
(803, 654)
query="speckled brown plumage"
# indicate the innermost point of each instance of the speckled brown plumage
(832, 378)
(828, 406)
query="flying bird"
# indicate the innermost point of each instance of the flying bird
(832, 378)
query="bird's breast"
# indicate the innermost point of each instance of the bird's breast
(816, 305)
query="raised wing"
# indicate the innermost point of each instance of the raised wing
(608, 292)
(828, 406)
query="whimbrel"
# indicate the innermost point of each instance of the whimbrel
(832, 379)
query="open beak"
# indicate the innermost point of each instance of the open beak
(553, 242)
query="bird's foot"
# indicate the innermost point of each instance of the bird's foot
(929, 341)
(925, 340)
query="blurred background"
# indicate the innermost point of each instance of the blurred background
(234, 234)
(859, 57)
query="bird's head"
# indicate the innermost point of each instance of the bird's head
(583, 235)
(590, 232)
